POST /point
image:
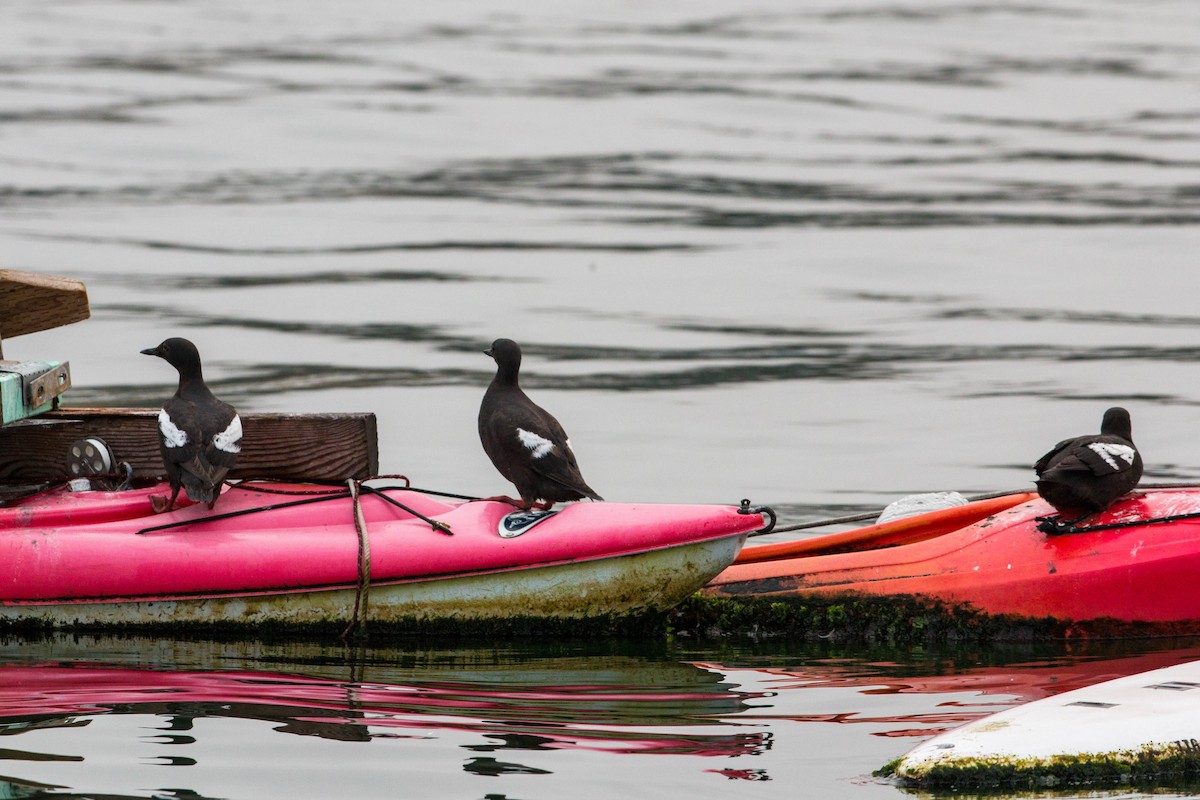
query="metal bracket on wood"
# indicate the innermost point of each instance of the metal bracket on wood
(50, 384)
(40, 382)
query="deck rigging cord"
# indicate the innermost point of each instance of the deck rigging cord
(1057, 526)
(870, 515)
(309, 496)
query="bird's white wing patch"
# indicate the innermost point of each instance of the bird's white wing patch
(171, 434)
(230, 439)
(538, 445)
(1111, 452)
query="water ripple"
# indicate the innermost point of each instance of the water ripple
(358, 249)
(177, 283)
(790, 354)
(647, 193)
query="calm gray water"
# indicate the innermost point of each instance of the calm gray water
(818, 254)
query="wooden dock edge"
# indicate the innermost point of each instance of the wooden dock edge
(290, 447)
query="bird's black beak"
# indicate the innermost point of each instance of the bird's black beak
(487, 352)
(149, 351)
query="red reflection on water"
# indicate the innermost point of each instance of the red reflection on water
(996, 687)
(742, 774)
(593, 717)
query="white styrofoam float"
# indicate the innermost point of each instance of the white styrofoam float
(1140, 722)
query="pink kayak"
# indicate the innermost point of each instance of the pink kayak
(294, 554)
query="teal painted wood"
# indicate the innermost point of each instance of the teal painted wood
(14, 400)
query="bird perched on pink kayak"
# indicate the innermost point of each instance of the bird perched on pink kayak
(1086, 474)
(525, 443)
(199, 435)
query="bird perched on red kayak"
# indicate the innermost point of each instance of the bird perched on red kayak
(524, 442)
(1087, 473)
(199, 435)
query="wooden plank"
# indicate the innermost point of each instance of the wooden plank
(31, 302)
(320, 447)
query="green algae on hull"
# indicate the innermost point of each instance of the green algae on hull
(1175, 765)
(896, 620)
(893, 619)
(852, 618)
(644, 625)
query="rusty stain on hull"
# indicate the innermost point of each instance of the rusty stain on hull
(649, 581)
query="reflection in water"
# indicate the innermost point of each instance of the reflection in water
(539, 707)
(498, 713)
(983, 688)
(470, 705)
(605, 703)
(513, 700)
(743, 774)
(492, 767)
(513, 741)
(32, 790)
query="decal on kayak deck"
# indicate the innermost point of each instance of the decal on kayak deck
(516, 523)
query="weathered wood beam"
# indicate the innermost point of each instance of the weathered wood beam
(319, 447)
(31, 302)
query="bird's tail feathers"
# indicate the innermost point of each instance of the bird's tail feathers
(576, 486)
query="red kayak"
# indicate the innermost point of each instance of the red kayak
(1137, 561)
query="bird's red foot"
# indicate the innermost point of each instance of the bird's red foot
(501, 498)
(160, 504)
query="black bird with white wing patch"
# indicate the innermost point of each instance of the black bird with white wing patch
(524, 442)
(199, 435)
(1087, 473)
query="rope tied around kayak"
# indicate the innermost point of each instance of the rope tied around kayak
(362, 592)
(358, 617)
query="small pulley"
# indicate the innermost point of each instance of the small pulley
(93, 458)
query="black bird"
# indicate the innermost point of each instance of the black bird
(524, 441)
(200, 436)
(1087, 473)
